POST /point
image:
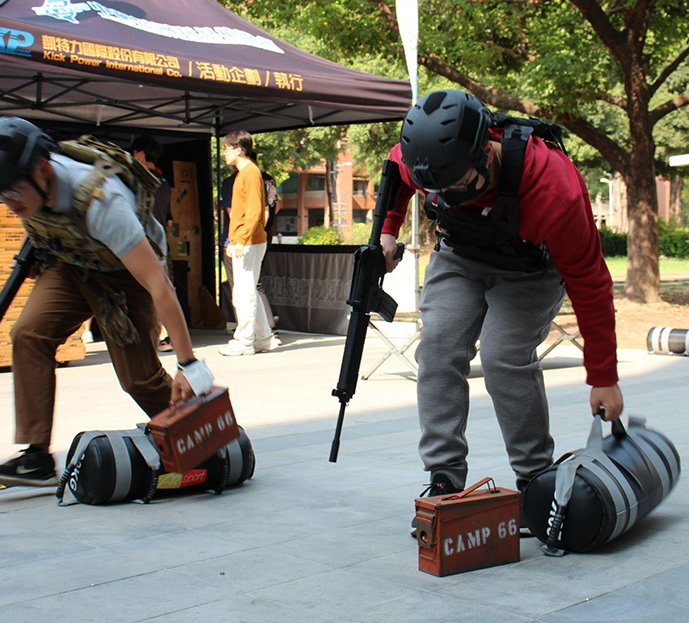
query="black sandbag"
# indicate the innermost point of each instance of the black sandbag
(623, 478)
(241, 459)
(93, 479)
(239, 465)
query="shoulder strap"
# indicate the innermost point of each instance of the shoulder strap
(514, 141)
(90, 187)
(108, 160)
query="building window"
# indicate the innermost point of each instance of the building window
(290, 185)
(360, 187)
(316, 217)
(314, 183)
(286, 222)
(359, 216)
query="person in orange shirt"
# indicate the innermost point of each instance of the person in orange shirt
(247, 247)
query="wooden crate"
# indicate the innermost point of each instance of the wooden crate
(185, 245)
(11, 235)
(185, 238)
(184, 200)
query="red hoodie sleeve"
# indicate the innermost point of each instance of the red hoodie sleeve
(561, 217)
(395, 217)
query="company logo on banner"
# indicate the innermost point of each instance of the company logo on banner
(221, 35)
(15, 42)
(62, 9)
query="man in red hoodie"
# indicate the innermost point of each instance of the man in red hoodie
(499, 275)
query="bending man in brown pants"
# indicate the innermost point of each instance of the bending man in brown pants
(105, 266)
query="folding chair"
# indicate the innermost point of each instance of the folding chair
(565, 337)
(398, 351)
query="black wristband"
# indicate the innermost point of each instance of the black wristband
(183, 364)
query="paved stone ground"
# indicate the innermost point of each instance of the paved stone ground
(310, 541)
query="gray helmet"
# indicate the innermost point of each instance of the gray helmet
(443, 136)
(21, 145)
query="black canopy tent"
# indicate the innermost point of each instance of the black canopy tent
(188, 66)
(182, 65)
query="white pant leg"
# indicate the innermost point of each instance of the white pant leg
(252, 321)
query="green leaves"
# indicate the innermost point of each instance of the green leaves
(542, 52)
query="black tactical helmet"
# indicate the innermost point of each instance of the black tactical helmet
(21, 145)
(443, 136)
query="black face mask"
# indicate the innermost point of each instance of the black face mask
(455, 196)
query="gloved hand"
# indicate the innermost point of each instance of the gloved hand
(198, 375)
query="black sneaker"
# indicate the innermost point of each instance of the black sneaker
(441, 485)
(32, 468)
(524, 530)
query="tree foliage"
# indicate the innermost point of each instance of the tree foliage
(610, 71)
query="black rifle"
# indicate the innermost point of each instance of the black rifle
(23, 262)
(366, 295)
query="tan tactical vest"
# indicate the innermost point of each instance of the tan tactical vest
(65, 236)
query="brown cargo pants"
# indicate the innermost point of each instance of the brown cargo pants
(60, 301)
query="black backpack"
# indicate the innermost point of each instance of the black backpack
(546, 130)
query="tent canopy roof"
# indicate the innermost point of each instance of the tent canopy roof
(187, 65)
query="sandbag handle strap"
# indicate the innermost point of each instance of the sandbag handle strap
(224, 456)
(550, 548)
(152, 488)
(224, 475)
(84, 441)
(148, 452)
(618, 429)
(64, 479)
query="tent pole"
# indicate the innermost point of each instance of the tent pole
(218, 184)
(416, 248)
(415, 243)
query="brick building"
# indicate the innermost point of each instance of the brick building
(304, 201)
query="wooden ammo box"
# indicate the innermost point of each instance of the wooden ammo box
(188, 433)
(468, 530)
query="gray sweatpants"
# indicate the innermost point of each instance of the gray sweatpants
(511, 312)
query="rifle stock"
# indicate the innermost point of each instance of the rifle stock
(24, 260)
(366, 295)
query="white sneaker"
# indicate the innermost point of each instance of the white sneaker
(270, 343)
(235, 348)
(87, 337)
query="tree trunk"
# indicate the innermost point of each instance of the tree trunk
(643, 277)
(676, 188)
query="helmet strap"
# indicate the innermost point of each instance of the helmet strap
(41, 193)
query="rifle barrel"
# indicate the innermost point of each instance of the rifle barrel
(335, 447)
(24, 259)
